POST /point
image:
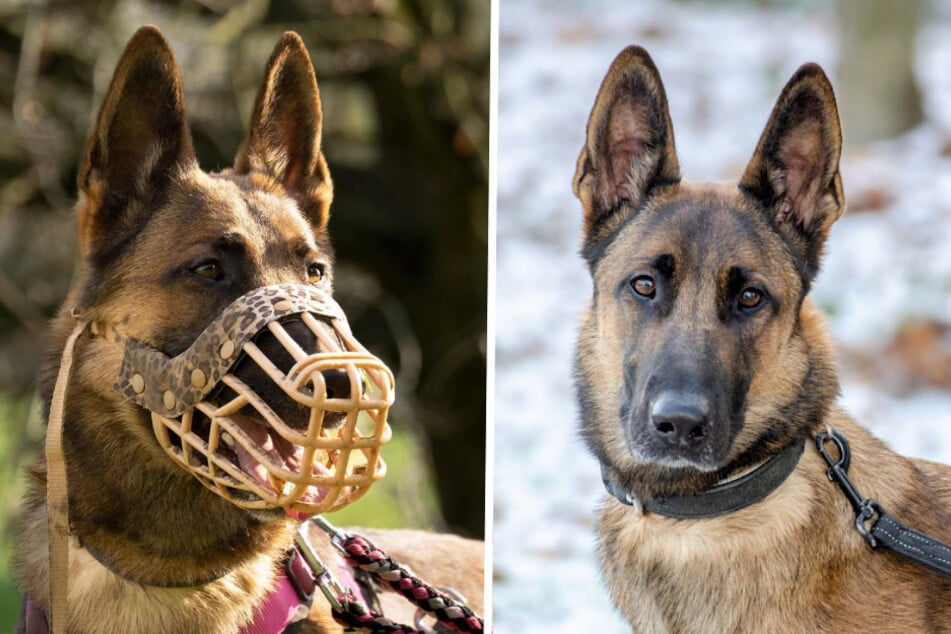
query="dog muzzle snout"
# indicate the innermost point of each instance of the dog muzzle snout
(304, 435)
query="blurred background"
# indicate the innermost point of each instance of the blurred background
(405, 89)
(886, 279)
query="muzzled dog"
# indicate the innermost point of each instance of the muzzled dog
(704, 373)
(203, 388)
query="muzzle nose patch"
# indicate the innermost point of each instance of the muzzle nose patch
(241, 447)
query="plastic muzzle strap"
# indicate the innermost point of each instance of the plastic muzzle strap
(241, 448)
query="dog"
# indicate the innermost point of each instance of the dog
(703, 367)
(164, 248)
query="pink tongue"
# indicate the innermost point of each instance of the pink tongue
(278, 450)
(260, 437)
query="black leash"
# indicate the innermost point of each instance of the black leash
(880, 529)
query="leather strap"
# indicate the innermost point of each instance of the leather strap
(880, 529)
(894, 536)
(721, 499)
(57, 491)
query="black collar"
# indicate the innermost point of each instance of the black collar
(722, 498)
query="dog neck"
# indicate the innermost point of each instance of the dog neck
(150, 541)
(721, 499)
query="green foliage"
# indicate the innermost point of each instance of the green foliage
(406, 497)
(17, 450)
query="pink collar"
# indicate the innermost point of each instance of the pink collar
(293, 594)
(283, 606)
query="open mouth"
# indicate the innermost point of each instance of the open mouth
(320, 459)
(255, 463)
(273, 462)
(272, 411)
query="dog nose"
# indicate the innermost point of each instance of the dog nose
(681, 418)
(337, 383)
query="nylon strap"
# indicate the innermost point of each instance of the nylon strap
(57, 493)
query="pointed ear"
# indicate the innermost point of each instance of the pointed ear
(794, 173)
(141, 138)
(629, 148)
(284, 139)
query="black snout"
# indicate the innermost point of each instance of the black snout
(680, 419)
(294, 414)
(337, 383)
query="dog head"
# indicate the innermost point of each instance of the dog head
(700, 354)
(172, 256)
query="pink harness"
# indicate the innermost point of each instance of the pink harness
(293, 594)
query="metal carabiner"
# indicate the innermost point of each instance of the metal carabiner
(841, 443)
(867, 510)
(838, 467)
(336, 535)
(867, 516)
(329, 585)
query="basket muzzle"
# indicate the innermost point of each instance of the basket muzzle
(274, 405)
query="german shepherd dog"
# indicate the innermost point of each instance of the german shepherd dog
(164, 248)
(701, 358)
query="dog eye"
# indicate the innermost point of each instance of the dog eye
(315, 273)
(644, 286)
(751, 298)
(210, 270)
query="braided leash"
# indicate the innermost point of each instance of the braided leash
(360, 552)
(354, 616)
(369, 558)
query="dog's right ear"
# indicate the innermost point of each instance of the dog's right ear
(141, 138)
(629, 148)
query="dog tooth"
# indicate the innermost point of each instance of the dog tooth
(277, 483)
(227, 439)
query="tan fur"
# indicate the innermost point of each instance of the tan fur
(147, 216)
(792, 562)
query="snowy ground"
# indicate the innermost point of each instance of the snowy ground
(723, 66)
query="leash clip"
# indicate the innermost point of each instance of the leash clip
(866, 518)
(336, 535)
(329, 585)
(867, 510)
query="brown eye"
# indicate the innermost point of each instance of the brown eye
(750, 298)
(210, 270)
(315, 273)
(644, 286)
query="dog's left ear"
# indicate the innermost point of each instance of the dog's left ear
(794, 173)
(284, 139)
